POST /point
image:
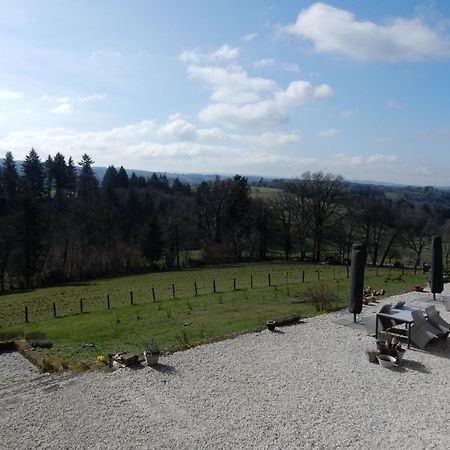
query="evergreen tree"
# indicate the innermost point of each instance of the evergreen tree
(110, 179)
(60, 174)
(33, 174)
(87, 182)
(10, 180)
(48, 170)
(71, 177)
(122, 178)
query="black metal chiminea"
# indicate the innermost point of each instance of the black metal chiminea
(357, 279)
(437, 272)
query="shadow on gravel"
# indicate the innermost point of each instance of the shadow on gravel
(278, 332)
(408, 364)
(164, 368)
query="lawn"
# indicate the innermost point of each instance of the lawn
(243, 301)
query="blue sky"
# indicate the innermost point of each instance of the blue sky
(261, 87)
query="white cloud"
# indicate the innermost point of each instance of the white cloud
(346, 114)
(8, 95)
(334, 30)
(250, 37)
(378, 158)
(63, 108)
(267, 62)
(327, 133)
(243, 101)
(288, 67)
(71, 99)
(91, 98)
(223, 53)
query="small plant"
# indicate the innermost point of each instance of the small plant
(189, 306)
(322, 297)
(51, 364)
(183, 339)
(152, 348)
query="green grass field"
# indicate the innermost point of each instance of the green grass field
(187, 319)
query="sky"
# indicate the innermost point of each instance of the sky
(255, 87)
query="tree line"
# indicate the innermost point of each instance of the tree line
(59, 222)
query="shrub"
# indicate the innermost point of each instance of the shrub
(51, 364)
(322, 297)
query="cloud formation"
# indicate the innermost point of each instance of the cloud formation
(8, 95)
(241, 101)
(223, 53)
(334, 30)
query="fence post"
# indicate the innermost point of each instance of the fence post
(268, 277)
(173, 290)
(318, 274)
(195, 287)
(287, 278)
(54, 309)
(214, 286)
(81, 305)
(26, 314)
(131, 297)
(251, 281)
(153, 294)
(234, 284)
(347, 271)
(107, 301)
(303, 276)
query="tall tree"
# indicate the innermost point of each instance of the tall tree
(33, 174)
(9, 179)
(87, 182)
(322, 193)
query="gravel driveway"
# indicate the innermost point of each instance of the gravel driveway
(306, 386)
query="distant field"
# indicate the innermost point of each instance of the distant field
(264, 192)
(185, 319)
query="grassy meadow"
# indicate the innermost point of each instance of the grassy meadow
(243, 301)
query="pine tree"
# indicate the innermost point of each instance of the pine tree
(60, 172)
(122, 178)
(71, 177)
(10, 180)
(48, 170)
(33, 174)
(87, 182)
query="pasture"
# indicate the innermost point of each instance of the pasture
(184, 309)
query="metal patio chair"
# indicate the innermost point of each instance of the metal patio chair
(423, 332)
(436, 320)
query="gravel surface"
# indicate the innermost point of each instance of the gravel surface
(305, 386)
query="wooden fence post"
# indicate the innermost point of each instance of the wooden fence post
(131, 297)
(268, 277)
(173, 291)
(26, 314)
(107, 301)
(251, 281)
(153, 294)
(54, 309)
(303, 276)
(234, 284)
(81, 305)
(214, 286)
(195, 287)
